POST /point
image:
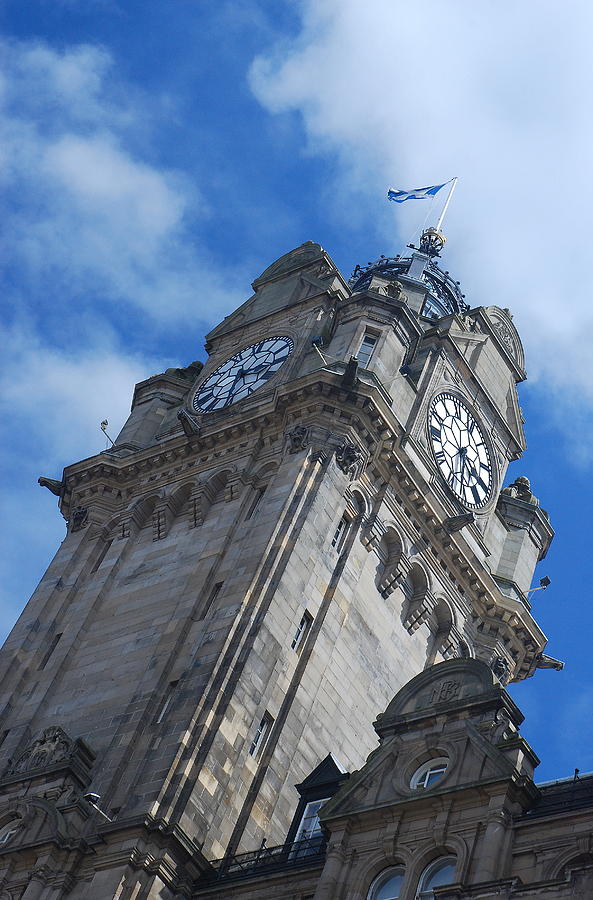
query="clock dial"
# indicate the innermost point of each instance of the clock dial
(460, 450)
(242, 374)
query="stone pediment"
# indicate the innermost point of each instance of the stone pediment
(302, 256)
(452, 713)
(450, 683)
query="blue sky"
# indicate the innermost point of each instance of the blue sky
(156, 157)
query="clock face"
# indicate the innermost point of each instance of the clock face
(242, 374)
(460, 450)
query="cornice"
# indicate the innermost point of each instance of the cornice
(362, 408)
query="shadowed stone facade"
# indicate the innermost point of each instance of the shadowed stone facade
(242, 589)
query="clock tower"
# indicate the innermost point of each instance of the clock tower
(276, 543)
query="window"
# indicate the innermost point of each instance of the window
(301, 632)
(255, 502)
(340, 533)
(261, 735)
(8, 831)
(166, 702)
(101, 556)
(429, 773)
(365, 351)
(309, 836)
(440, 872)
(49, 651)
(213, 595)
(387, 886)
(310, 825)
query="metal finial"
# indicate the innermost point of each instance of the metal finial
(432, 242)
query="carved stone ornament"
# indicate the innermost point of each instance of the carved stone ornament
(500, 668)
(504, 333)
(503, 328)
(395, 290)
(51, 484)
(79, 518)
(189, 423)
(52, 746)
(348, 459)
(520, 489)
(296, 438)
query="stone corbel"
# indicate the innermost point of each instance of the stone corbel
(371, 533)
(160, 522)
(189, 423)
(296, 439)
(200, 501)
(349, 459)
(79, 518)
(390, 579)
(419, 611)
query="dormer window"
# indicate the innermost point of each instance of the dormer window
(310, 826)
(429, 773)
(366, 349)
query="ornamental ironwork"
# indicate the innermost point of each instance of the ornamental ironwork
(443, 297)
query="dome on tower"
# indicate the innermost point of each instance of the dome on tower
(443, 294)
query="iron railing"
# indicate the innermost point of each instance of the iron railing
(297, 853)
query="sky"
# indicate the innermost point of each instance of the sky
(156, 157)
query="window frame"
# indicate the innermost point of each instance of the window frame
(8, 829)
(302, 631)
(383, 879)
(166, 702)
(424, 892)
(341, 533)
(374, 336)
(316, 831)
(436, 763)
(261, 735)
(255, 502)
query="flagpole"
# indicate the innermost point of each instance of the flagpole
(447, 201)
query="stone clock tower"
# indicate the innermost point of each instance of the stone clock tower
(276, 543)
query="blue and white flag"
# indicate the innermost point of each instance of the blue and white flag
(417, 194)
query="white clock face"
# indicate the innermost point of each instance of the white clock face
(242, 374)
(460, 450)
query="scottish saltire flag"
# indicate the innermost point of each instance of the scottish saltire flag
(417, 194)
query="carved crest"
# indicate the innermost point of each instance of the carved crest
(52, 746)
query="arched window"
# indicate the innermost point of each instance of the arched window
(387, 886)
(440, 872)
(8, 830)
(429, 773)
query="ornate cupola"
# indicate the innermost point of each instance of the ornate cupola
(430, 291)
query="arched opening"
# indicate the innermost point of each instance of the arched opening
(438, 873)
(388, 885)
(390, 551)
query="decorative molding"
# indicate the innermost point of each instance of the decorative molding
(350, 460)
(296, 438)
(50, 749)
(79, 518)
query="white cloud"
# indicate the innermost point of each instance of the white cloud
(498, 94)
(56, 398)
(52, 402)
(88, 212)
